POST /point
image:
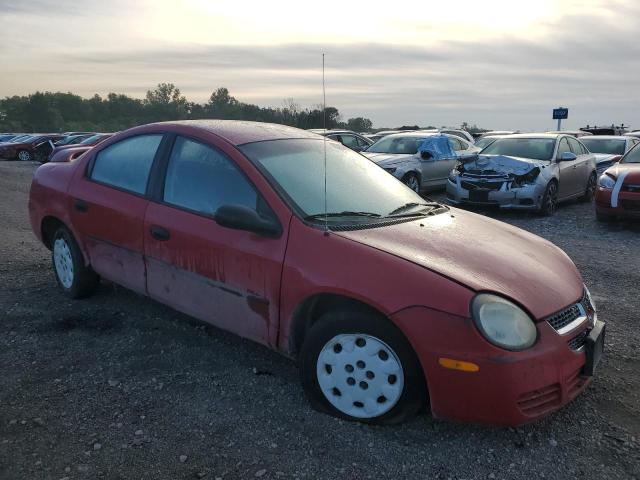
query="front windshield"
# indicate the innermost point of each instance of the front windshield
(483, 142)
(398, 145)
(605, 145)
(354, 184)
(633, 156)
(91, 139)
(535, 148)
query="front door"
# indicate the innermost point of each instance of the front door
(229, 278)
(108, 208)
(568, 172)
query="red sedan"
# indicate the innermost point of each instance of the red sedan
(388, 302)
(618, 192)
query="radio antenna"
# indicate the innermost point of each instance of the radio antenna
(324, 125)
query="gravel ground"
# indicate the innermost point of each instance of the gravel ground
(119, 386)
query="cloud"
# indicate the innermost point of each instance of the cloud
(588, 60)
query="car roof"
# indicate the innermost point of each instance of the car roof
(238, 132)
(606, 137)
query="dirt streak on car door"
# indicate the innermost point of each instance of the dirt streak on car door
(229, 278)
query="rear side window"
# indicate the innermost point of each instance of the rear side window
(201, 178)
(127, 164)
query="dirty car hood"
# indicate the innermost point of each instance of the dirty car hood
(501, 164)
(484, 255)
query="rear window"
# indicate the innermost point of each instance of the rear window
(597, 145)
(126, 164)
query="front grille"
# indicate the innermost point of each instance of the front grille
(540, 401)
(577, 342)
(485, 186)
(564, 317)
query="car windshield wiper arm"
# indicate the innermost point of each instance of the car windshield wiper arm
(408, 206)
(346, 213)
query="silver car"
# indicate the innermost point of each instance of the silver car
(608, 149)
(525, 171)
(398, 154)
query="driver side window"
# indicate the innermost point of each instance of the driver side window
(562, 148)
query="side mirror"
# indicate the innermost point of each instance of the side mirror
(238, 217)
(568, 157)
(425, 155)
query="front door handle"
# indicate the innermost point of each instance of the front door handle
(159, 233)
(80, 205)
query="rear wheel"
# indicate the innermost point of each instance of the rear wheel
(76, 279)
(358, 366)
(550, 199)
(412, 181)
(591, 189)
(25, 156)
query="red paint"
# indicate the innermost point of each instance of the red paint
(628, 201)
(421, 274)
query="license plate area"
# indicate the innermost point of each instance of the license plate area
(594, 348)
(479, 195)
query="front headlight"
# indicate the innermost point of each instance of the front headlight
(502, 322)
(605, 181)
(390, 169)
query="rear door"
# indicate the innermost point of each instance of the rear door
(108, 207)
(570, 177)
(229, 278)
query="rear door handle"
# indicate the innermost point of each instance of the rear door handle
(80, 205)
(159, 233)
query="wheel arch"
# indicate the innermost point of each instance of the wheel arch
(48, 227)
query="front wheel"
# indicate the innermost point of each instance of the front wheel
(25, 156)
(76, 279)
(550, 200)
(358, 366)
(412, 181)
(590, 191)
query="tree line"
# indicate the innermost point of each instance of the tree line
(60, 112)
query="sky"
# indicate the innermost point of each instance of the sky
(500, 64)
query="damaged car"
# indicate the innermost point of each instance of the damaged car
(618, 193)
(608, 149)
(307, 247)
(526, 172)
(420, 160)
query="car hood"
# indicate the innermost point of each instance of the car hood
(631, 171)
(484, 255)
(388, 159)
(501, 164)
(604, 157)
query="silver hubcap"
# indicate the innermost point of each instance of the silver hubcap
(360, 375)
(412, 183)
(63, 262)
(24, 156)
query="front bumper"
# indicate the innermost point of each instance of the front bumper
(509, 388)
(527, 197)
(628, 203)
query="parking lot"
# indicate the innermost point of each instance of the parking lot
(119, 386)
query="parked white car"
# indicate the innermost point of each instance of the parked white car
(399, 155)
(608, 149)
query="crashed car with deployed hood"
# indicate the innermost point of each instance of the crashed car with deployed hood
(608, 149)
(525, 171)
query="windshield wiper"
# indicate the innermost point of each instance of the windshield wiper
(408, 206)
(346, 213)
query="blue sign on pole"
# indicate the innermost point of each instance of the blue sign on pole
(560, 113)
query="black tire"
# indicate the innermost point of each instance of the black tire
(590, 190)
(412, 181)
(413, 395)
(24, 156)
(83, 281)
(549, 200)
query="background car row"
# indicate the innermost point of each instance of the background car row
(41, 146)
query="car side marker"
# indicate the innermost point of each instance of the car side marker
(458, 365)
(616, 189)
